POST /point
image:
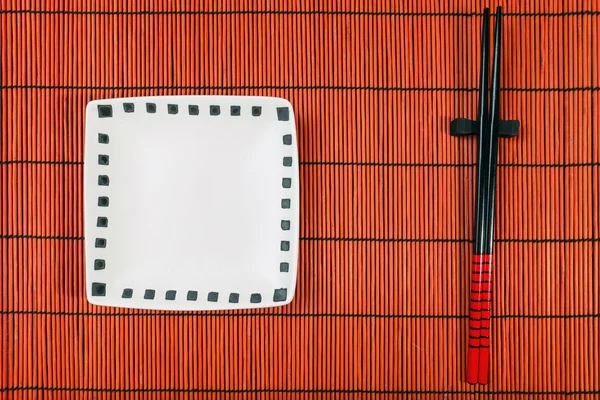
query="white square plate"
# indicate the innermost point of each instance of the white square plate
(191, 202)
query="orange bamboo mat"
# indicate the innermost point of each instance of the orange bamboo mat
(387, 199)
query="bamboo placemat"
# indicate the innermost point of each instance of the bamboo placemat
(387, 199)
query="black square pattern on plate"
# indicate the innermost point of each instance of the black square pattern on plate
(99, 264)
(103, 180)
(102, 201)
(283, 113)
(285, 245)
(103, 138)
(127, 293)
(100, 243)
(98, 289)
(151, 108)
(285, 203)
(193, 110)
(103, 159)
(236, 111)
(286, 183)
(149, 294)
(256, 111)
(234, 297)
(105, 111)
(287, 139)
(284, 267)
(285, 225)
(287, 161)
(173, 108)
(128, 107)
(280, 295)
(102, 222)
(215, 110)
(171, 294)
(255, 298)
(192, 295)
(213, 296)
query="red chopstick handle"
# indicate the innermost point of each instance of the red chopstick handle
(486, 318)
(479, 319)
(472, 363)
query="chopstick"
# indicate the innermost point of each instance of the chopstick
(486, 264)
(489, 129)
(473, 352)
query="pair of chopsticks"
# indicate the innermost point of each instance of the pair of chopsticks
(489, 128)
